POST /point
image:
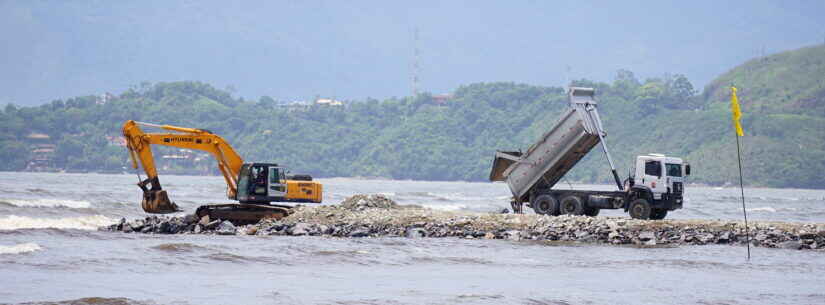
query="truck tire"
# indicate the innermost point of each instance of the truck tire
(640, 209)
(572, 205)
(546, 205)
(658, 214)
(592, 212)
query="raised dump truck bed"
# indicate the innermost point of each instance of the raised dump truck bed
(578, 130)
(531, 175)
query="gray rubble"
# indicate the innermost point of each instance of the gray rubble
(379, 216)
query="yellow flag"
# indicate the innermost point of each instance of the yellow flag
(737, 113)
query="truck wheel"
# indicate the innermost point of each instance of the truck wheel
(592, 212)
(571, 205)
(658, 214)
(546, 205)
(640, 209)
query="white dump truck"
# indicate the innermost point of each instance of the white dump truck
(654, 187)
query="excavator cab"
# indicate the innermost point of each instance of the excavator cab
(261, 183)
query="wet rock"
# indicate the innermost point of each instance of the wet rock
(300, 229)
(489, 235)
(504, 211)
(198, 229)
(513, 235)
(647, 235)
(136, 225)
(189, 218)
(360, 232)
(204, 220)
(226, 228)
(791, 244)
(325, 229)
(806, 235)
(416, 233)
(706, 238)
(724, 238)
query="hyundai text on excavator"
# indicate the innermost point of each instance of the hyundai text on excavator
(254, 185)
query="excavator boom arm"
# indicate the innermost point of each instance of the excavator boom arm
(140, 151)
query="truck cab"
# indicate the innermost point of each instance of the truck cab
(659, 179)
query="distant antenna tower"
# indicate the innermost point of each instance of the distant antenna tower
(415, 64)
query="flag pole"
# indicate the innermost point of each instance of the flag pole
(742, 190)
(737, 129)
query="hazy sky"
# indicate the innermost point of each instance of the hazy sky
(355, 49)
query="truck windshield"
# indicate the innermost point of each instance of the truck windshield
(674, 170)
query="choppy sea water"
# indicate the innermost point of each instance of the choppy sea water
(50, 252)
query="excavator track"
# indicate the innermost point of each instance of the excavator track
(243, 213)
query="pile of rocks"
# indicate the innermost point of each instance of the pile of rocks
(376, 215)
(363, 202)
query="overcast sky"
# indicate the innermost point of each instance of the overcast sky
(295, 50)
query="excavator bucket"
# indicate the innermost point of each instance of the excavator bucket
(157, 202)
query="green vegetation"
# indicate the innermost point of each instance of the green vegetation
(783, 100)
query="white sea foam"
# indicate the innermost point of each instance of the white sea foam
(48, 203)
(20, 248)
(445, 207)
(14, 222)
(762, 209)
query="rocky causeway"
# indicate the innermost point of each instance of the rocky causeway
(379, 216)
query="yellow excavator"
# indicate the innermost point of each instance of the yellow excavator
(254, 185)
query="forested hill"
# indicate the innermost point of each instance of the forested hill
(454, 137)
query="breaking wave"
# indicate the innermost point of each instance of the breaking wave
(770, 209)
(445, 207)
(47, 203)
(14, 222)
(21, 248)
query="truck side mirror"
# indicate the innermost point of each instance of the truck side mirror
(687, 170)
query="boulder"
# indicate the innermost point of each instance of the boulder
(647, 235)
(360, 232)
(226, 228)
(513, 235)
(204, 220)
(416, 233)
(724, 238)
(791, 244)
(300, 229)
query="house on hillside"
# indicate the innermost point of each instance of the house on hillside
(442, 99)
(41, 155)
(328, 102)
